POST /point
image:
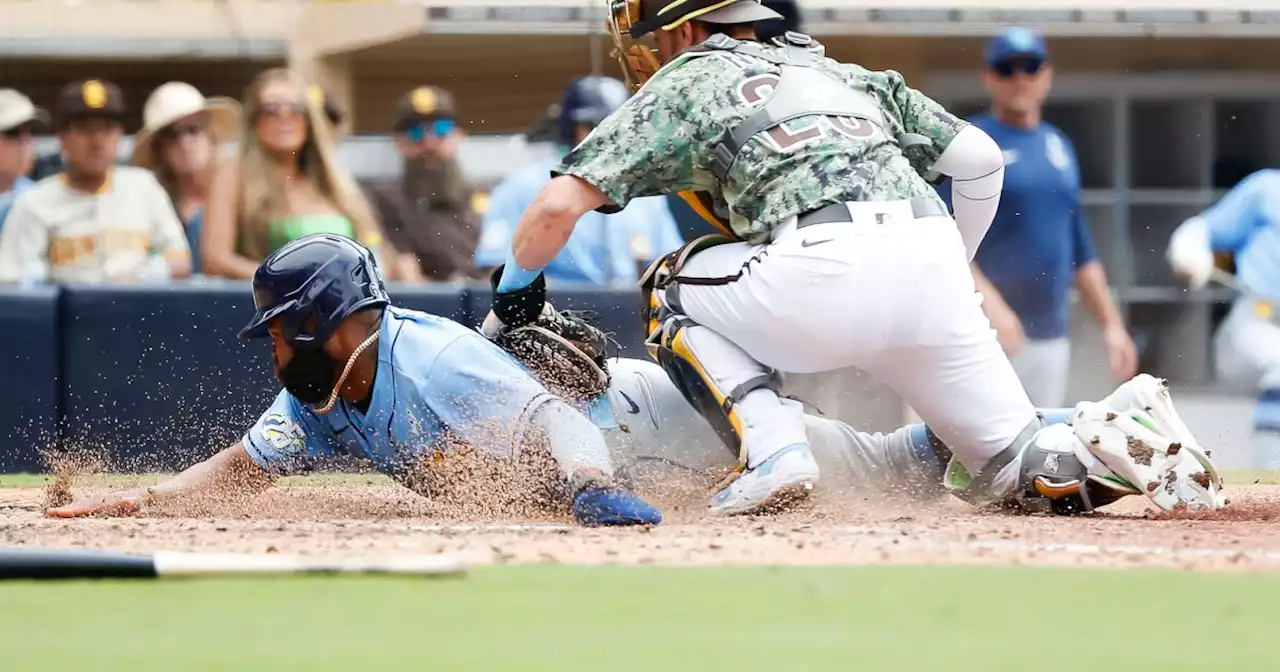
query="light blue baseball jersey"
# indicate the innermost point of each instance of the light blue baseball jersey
(436, 380)
(1246, 222)
(603, 249)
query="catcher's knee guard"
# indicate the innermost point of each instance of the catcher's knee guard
(668, 344)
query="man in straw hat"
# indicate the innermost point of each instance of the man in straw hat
(836, 252)
(18, 117)
(180, 136)
(96, 222)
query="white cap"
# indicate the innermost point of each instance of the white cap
(175, 101)
(17, 109)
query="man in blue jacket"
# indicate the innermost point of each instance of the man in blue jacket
(1039, 245)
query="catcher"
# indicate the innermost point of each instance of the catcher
(837, 252)
(396, 387)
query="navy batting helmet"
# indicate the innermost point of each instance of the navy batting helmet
(324, 276)
(588, 100)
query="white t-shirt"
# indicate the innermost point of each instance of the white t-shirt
(126, 232)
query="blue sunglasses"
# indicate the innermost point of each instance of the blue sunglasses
(438, 128)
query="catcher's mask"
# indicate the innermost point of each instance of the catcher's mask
(630, 21)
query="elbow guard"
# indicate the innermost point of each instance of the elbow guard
(975, 164)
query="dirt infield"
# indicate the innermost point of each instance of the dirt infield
(377, 517)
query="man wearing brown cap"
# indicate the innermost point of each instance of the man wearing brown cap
(96, 222)
(17, 148)
(430, 212)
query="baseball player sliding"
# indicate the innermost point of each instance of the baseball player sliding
(837, 252)
(396, 387)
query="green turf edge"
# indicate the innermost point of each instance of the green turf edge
(654, 618)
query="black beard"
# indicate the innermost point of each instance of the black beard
(309, 376)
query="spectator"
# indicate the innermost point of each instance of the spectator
(285, 184)
(1039, 242)
(17, 148)
(430, 211)
(179, 140)
(97, 222)
(603, 249)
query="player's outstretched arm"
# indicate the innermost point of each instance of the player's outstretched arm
(230, 471)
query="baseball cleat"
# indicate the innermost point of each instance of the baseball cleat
(1172, 471)
(608, 506)
(1147, 399)
(788, 476)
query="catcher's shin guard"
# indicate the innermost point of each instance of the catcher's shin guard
(669, 343)
(712, 398)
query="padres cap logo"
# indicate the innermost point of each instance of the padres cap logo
(94, 94)
(423, 100)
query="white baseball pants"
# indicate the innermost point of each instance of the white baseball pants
(887, 293)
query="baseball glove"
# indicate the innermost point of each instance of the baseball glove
(564, 350)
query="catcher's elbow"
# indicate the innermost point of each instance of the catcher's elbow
(559, 200)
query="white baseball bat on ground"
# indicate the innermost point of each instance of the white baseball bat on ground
(49, 564)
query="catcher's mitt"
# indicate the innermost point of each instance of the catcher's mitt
(564, 350)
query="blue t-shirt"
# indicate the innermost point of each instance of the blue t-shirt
(6, 199)
(436, 380)
(603, 249)
(1039, 237)
(1246, 222)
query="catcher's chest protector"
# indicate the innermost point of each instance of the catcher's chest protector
(801, 91)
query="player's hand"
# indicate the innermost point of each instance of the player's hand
(519, 307)
(1008, 327)
(1193, 265)
(1122, 353)
(123, 503)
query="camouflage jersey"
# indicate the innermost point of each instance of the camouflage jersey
(661, 142)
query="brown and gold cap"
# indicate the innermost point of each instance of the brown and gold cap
(425, 103)
(89, 98)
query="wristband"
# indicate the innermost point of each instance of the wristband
(515, 277)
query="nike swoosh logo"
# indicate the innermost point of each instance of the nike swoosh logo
(811, 243)
(635, 409)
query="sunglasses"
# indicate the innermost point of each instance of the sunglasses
(17, 133)
(278, 110)
(1027, 66)
(177, 131)
(438, 128)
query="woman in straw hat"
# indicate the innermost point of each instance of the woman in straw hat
(179, 139)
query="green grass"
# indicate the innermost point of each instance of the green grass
(646, 618)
